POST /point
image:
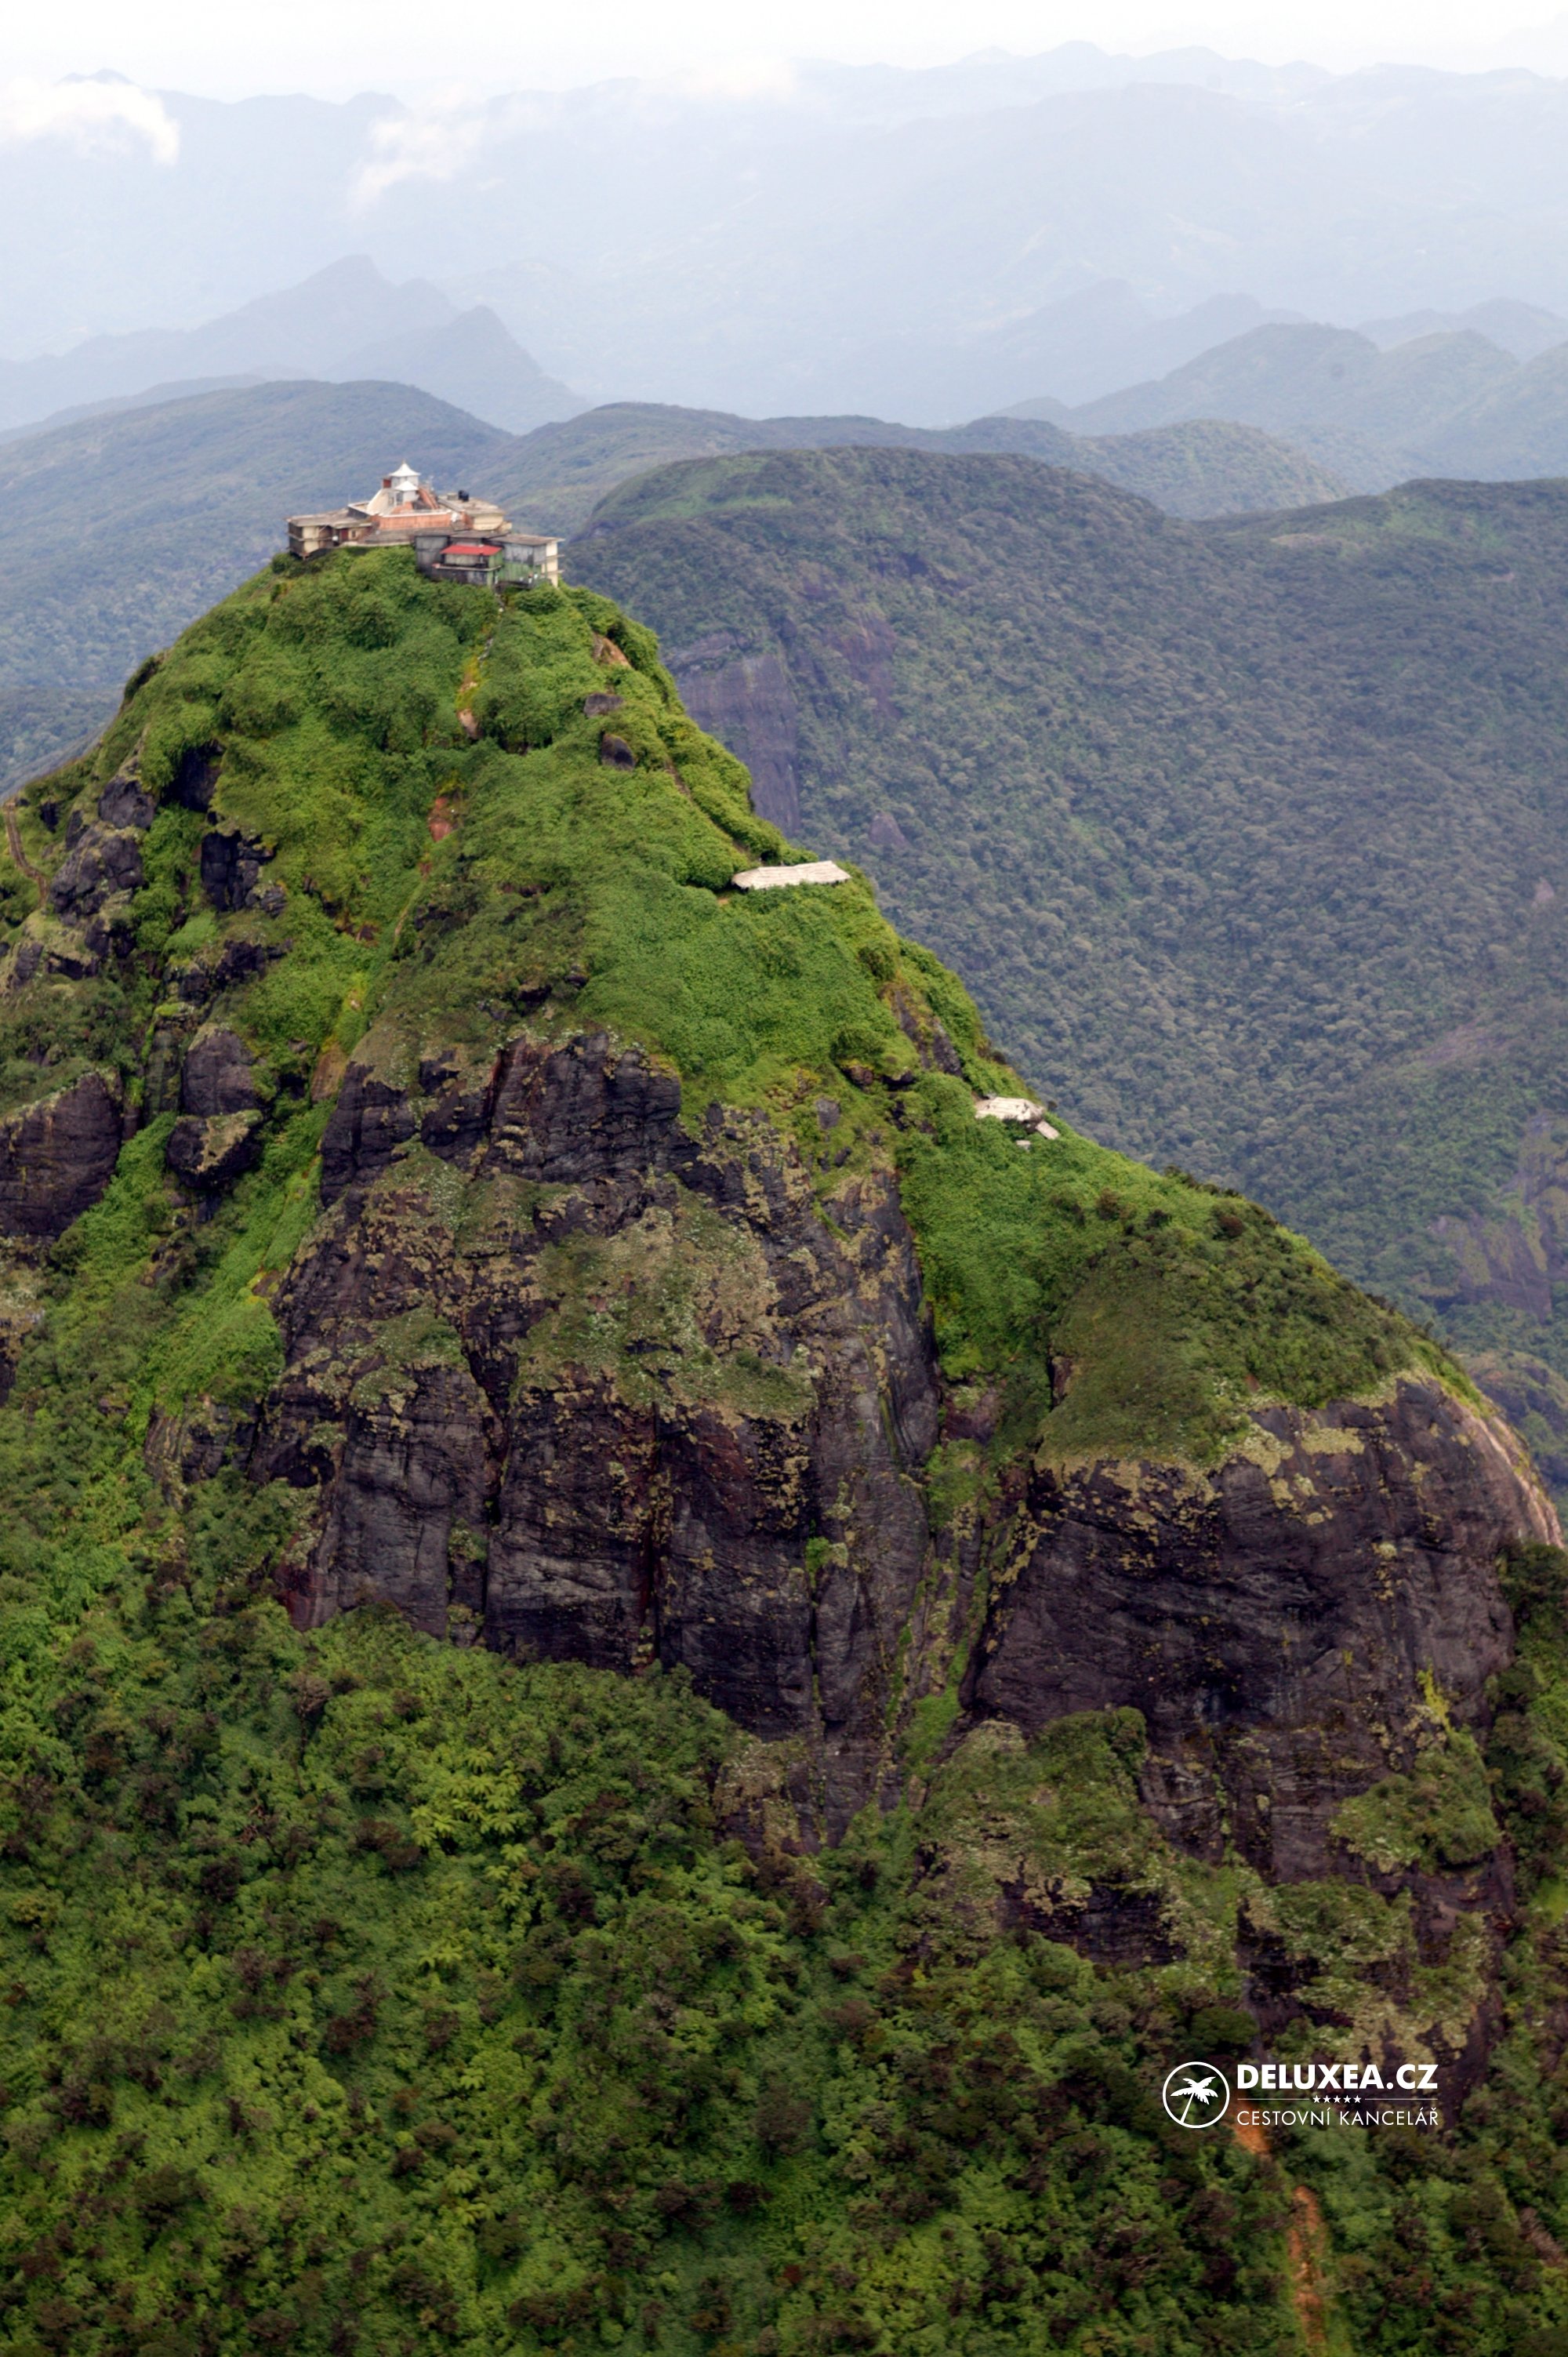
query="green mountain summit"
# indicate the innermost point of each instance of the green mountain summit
(659, 1660)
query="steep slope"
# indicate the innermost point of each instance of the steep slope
(1249, 839)
(426, 1183)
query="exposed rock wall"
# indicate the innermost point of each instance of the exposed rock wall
(746, 700)
(658, 1407)
(56, 1157)
(646, 1397)
(1287, 1626)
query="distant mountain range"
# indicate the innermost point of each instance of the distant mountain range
(173, 503)
(558, 474)
(344, 322)
(926, 245)
(1451, 401)
(1482, 392)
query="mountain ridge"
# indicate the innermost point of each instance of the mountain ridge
(1451, 403)
(344, 322)
(180, 501)
(873, 200)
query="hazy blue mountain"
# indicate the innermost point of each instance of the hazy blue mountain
(1088, 344)
(344, 322)
(1518, 429)
(854, 239)
(1446, 404)
(1287, 376)
(472, 361)
(992, 78)
(152, 396)
(1522, 329)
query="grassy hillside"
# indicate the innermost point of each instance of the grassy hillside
(370, 1991)
(1249, 838)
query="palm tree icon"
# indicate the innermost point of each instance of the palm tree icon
(1194, 2087)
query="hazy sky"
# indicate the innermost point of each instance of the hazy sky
(335, 47)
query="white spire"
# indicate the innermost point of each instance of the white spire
(404, 482)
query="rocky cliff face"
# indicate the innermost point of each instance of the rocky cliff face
(1282, 1623)
(605, 1266)
(56, 1155)
(730, 1476)
(640, 1401)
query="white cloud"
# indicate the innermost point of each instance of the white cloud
(434, 142)
(441, 137)
(96, 114)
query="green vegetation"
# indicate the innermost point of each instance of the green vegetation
(1439, 1816)
(1200, 468)
(1452, 2244)
(171, 506)
(174, 503)
(1174, 1307)
(370, 1991)
(1248, 839)
(439, 2014)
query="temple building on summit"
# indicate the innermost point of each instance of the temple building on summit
(455, 535)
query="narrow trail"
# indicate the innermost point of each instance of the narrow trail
(18, 856)
(1306, 2247)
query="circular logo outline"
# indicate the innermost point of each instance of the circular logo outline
(1202, 2078)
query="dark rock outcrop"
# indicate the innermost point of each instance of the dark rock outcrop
(734, 1484)
(210, 1154)
(370, 1121)
(124, 801)
(1282, 1624)
(104, 861)
(230, 869)
(217, 1076)
(57, 1158)
(726, 1479)
(195, 778)
(239, 959)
